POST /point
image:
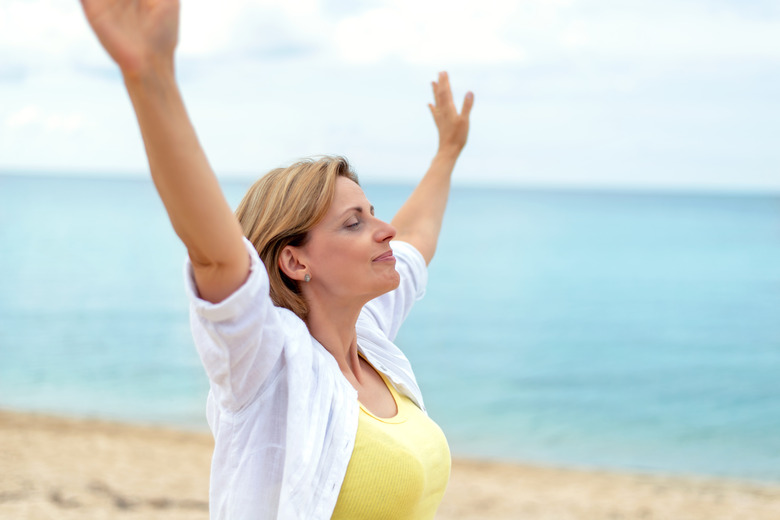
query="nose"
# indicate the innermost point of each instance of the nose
(385, 231)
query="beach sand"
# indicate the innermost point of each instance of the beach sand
(54, 468)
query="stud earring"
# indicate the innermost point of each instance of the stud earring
(307, 278)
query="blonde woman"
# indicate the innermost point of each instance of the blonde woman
(295, 302)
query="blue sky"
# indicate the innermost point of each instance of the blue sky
(597, 93)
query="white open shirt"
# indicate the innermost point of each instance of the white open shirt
(284, 417)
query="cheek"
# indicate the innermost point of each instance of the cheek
(342, 263)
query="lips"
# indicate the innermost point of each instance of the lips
(385, 256)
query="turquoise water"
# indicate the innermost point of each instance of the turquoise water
(612, 330)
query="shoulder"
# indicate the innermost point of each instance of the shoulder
(408, 253)
(251, 293)
(411, 265)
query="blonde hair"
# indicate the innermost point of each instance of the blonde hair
(279, 210)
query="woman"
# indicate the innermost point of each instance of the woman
(314, 411)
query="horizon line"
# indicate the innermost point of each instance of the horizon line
(457, 183)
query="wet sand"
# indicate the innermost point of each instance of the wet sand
(83, 469)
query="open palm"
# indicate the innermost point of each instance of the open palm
(453, 127)
(135, 33)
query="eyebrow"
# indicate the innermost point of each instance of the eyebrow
(359, 209)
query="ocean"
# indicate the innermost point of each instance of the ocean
(617, 330)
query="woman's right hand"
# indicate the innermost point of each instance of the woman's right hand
(141, 37)
(137, 34)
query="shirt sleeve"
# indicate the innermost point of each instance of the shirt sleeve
(240, 339)
(390, 310)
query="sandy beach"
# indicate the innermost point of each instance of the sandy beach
(55, 468)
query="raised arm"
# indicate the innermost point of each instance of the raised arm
(141, 37)
(419, 219)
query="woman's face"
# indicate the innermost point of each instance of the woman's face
(348, 252)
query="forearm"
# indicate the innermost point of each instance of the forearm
(186, 183)
(420, 219)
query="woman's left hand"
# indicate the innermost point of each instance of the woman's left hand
(453, 127)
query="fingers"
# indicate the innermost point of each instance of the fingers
(442, 90)
(468, 102)
(442, 94)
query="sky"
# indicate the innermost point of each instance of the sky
(665, 94)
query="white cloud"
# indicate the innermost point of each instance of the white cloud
(207, 27)
(44, 35)
(54, 121)
(432, 32)
(63, 122)
(49, 33)
(211, 30)
(40, 25)
(663, 30)
(24, 117)
(567, 91)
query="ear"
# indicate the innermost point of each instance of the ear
(292, 263)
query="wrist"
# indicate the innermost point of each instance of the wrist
(150, 71)
(449, 152)
(152, 87)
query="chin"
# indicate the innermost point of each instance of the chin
(391, 285)
(395, 281)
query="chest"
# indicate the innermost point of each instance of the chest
(373, 393)
(399, 467)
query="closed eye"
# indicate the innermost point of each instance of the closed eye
(356, 211)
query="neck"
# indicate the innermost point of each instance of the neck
(334, 327)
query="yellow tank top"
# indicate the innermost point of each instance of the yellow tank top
(399, 468)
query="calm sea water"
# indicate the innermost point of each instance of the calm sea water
(613, 330)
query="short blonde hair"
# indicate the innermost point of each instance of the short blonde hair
(279, 210)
